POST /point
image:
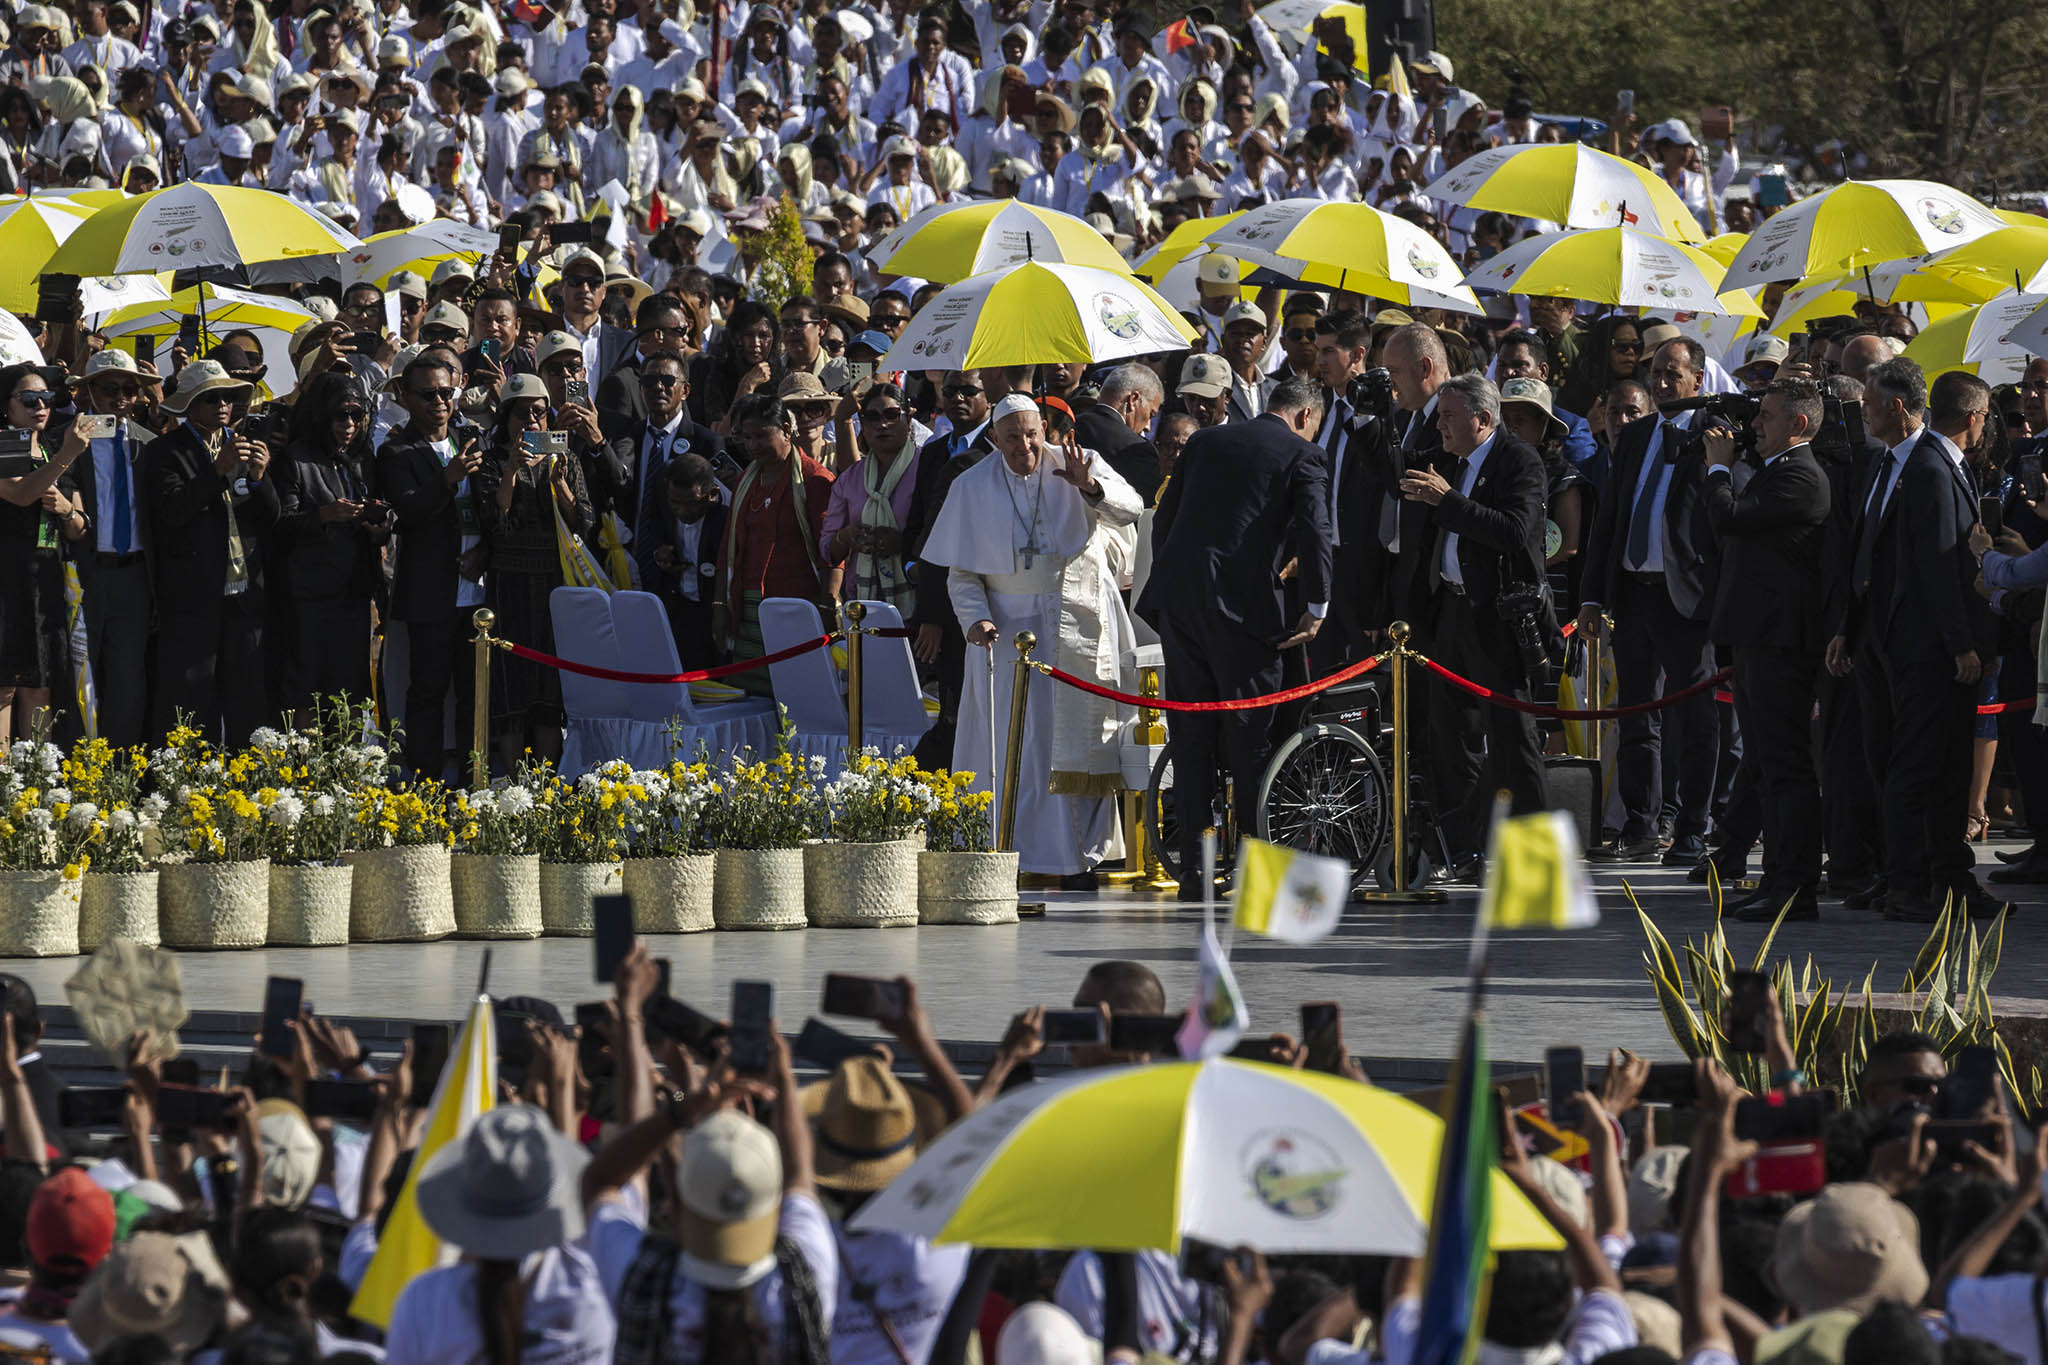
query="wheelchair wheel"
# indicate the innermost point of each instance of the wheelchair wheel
(1326, 792)
(1162, 818)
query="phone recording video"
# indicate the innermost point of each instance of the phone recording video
(753, 1023)
(1564, 1076)
(430, 1043)
(1075, 1028)
(1746, 1022)
(611, 933)
(1153, 1034)
(863, 997)
(1322, 1030)
(282, 997)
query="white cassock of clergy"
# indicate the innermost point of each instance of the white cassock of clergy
(1031, 553)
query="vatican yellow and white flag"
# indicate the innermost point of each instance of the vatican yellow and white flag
(1286, 894)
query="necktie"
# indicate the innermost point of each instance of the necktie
(123, 512)
(1333, 447)
(1643, 520)
(1866, 540)
(1443, 538)
(1390, 505)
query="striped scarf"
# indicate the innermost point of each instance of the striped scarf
(646, 1319)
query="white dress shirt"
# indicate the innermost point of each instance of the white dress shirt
(1453, 571)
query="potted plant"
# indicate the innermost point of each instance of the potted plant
(310, 886)
(401, 892)
(215, 874)
(580, 835)
(758, 817)
(959, 880)
(118, 896)
(495, 870)
(44, 838)
(669, 864)
(864, 874)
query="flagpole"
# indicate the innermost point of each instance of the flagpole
(1475, 961)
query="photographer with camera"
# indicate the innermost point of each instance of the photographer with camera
(1767, 611)
(1489, 615)
(1649, 565)
(1353, 437)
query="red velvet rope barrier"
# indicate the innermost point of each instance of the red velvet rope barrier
(1994, 708)
(696, 675)
(1342, 675)
(1532, 708)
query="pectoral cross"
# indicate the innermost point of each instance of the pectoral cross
(1030, 551)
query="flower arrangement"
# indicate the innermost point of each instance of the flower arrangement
(409, 817)
(500, 818)
(959, 820)
(111, 781)
(585, 821)
(43, 826)
(766, 804)
(214, 824)
(876, 800)
(309, 828)
(672, 818)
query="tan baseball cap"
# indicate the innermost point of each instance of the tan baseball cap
(729, 1186)
(1205, 376)
(554, 344)
(1216, 274)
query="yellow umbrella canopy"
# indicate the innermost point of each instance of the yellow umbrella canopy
(31, 230)
(950, 242)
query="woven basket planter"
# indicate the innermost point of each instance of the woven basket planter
(966, 888)
(309, 904)
(118, 905)
(671, 895)
(566, 890)
(758, 888)
(215, 905)
(497, 895)
(861, 886)
(400, 895)
(38, 914)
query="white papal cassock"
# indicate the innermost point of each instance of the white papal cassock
(1032, 553)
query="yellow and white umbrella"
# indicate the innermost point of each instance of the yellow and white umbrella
(2030, 333)
(31, 230)
(221, 310)
(1037, 314)
(418, 249)
(17, 347)
(950, 242)
(1838, 295)
(1570, 184)
(1185, 242)
(1856, 224)
(1345, 246)
(1230, 1152)
(1616, 265)
(1989, 341)
(192, 225)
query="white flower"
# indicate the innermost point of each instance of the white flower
(154, 805)
(82, 814)
(39, 820)
(287, 810)
(121, 821)
(57, 796)
(323, 806)
(263, 737)
(515, 801)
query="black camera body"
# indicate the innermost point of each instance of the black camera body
(1734, 411)
(1372, 393)
(1521, 606)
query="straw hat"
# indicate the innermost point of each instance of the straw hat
(154, 1282)
(868, 1124)
(201, 376)
(508, 1189)
(1848, 1247)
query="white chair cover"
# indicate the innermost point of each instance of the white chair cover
(647, 645)
(807, 687)
(1141, 569)
(600, 721)
(893, 714)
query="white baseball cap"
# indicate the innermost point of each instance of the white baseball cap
(1242, 311)
(234, 140)
(729, 1185)
(1435, 63)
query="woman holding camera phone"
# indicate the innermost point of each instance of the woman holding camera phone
(528, 483)
(35, 519)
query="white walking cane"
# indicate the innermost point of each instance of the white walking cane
(994, 788)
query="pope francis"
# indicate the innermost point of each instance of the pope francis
(1038, 540)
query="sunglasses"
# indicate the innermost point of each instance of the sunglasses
(39, 399)
(583, 281)
(562, 367)
(660, 381)
(963, 390)
(352, 415)
(881, 414)
(124, 391)
(1619, 345)
(893, 321)
(1301, 334)
(446, 395)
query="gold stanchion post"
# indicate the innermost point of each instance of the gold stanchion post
(1595, 646)
(1398, 660)
(480, 725)
(1020, 685)
(1150, 729)
(855, 730)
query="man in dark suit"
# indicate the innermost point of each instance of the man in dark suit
(678, 553)
(1480, 533)
(625, 472)
(1242, 344)
(935, 639)
(1920, 636)
(1115, 426)
(1245, 498)
(1649, 565)
(1414, 356)
(1767, 611)
(657, 328)
(423, 471)
(210, 510)
(113, 557)
(1354, 444)
(18, 998)
(581, 294)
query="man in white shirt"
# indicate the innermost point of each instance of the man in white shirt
(113, 571)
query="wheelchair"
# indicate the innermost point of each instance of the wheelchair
(1327, 789)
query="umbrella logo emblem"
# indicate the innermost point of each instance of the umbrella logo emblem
(1118, 316)
(1294, 1174)
(1420, 261)
(1941, 215)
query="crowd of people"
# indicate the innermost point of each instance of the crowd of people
(635, 1198)
(638, 373)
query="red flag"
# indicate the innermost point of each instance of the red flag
(657, 213)
(529, 12)
(1182, 34)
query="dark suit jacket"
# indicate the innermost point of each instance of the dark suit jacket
(613, 469)
(82, 480)
(936, 470)
(1772, 535)
(657, 532)
(614, 345)
(1397, 581)
(1499, 525)
(188, 517)
(316, 558)
(1689, 559)
(1103, 430)
(1848, 487)
(1244, 499)
(411, 478)
(1934, 608)
(1238, 412)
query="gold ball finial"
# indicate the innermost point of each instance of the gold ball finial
(1026, 642)
(1400, 632)
(856, 612)
(483, 618)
